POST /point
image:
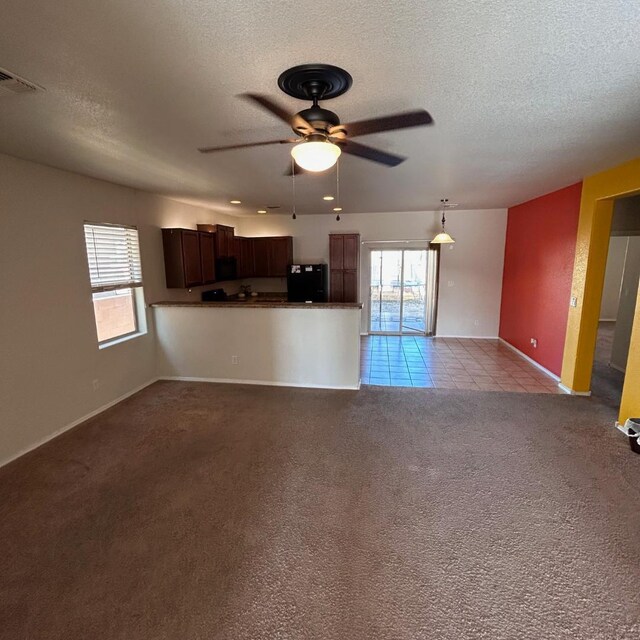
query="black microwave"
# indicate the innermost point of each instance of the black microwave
(226, 269)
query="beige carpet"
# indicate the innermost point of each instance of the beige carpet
(233, 512)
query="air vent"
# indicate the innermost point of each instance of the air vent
(11, 83)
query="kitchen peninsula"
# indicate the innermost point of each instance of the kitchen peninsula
(267, 342)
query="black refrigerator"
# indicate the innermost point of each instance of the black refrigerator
(307, 283)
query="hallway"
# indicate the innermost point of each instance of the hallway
(606, 382)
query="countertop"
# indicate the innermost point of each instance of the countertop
(256, 303)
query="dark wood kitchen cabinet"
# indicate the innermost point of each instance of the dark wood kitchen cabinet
(182, 261)
(223, 237)
(272, 256)
(280, 256)
(261, 257)
(344, 266)
(244, 257)
(207, 257)
(190, 256)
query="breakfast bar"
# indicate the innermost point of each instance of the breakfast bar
(254, 341)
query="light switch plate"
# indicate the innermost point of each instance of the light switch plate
(574, 301)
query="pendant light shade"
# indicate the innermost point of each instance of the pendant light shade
(443, 237)
(316, 156)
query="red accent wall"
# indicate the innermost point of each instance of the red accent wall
(538, 270)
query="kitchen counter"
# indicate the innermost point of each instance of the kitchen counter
(257, 303)
(282, 344)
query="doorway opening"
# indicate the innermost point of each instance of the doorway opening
(618, 304)
(403, 291)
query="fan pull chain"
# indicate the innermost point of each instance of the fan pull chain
(338, 188)
(293, 181)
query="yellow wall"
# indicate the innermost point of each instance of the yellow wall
(596, 209)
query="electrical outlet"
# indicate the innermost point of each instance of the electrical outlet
(450, 283)
(534, 343)
(96, 384)
(234, 359)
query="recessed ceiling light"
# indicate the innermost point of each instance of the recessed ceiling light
(235, 202)
(262, 211)
(337, 208)
(328, 198)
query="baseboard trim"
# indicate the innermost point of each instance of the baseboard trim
(617, 368)
(467, 337)
(530, 360)
(75, 423)
(571, 392)
(264, 383)
(608, 320)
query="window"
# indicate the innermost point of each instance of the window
(115, 271)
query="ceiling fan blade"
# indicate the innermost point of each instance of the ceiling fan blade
(376, 155)
(245, 145)
(296, 122)
(417, 118)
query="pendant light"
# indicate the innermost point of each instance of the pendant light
(443, 237)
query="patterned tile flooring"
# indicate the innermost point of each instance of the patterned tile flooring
(449, 363)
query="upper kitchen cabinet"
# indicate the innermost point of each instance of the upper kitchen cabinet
(272, 256)
(280, 255)
(224, 239)
(245, 257)
(207, 257)
(182, 259)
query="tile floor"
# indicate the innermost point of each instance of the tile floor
(449, 363)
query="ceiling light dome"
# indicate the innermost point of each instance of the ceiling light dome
(315, 155)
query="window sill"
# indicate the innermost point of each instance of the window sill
(126, 338)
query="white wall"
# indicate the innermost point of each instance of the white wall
(48, 346)
(297, 347)
(469, 307)
(627, 305)
(613, 278)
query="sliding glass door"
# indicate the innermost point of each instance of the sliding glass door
(403, 291)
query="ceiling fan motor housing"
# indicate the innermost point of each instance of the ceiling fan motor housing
(320, 118)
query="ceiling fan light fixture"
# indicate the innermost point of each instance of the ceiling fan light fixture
(316, 156)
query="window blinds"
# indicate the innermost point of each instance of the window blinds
(114, 256)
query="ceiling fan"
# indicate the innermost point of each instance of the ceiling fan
(321, 137)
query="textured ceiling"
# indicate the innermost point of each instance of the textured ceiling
(527, 95)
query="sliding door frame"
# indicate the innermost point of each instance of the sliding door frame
(436, 285)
